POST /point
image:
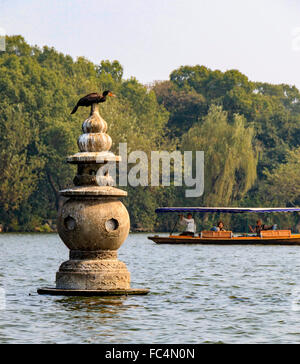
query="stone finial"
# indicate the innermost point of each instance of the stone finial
(94, 138)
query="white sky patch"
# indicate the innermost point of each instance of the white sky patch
(151, 39)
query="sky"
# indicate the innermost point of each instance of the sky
(151, 38)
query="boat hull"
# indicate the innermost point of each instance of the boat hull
(240, 240)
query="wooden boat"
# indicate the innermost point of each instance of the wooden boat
(267, 237)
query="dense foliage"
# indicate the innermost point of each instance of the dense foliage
(250, 133)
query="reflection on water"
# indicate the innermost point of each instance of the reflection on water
(199, 294)
(91, 303)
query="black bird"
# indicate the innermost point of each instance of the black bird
(93, 98)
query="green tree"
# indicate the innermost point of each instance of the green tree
(185, 107)
(19, 171)
(282, 185)
(114, 69)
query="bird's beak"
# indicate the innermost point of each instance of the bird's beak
(112, 95)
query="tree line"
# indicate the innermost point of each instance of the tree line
(249, 132)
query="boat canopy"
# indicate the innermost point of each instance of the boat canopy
(230, 210)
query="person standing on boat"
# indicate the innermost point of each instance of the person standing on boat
(189, 222)
(260, 226)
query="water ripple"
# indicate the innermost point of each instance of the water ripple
(199, 294)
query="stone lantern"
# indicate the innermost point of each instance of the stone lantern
(92, 222)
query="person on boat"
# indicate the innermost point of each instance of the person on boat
(190, 226)
(259, 227)
(219, 227)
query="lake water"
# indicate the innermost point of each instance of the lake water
(199, 294)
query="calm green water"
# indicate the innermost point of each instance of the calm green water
(199, 294)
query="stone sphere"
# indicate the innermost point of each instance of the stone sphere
(93, 224)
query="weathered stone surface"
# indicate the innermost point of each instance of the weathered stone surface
(94, 138)
(87, 175)
(95, 142)
(89, 255)
(92, 281)
(93, 274)
(94, 123)
(93, 157)
(93, 191)
(93, 265)
(93, 224)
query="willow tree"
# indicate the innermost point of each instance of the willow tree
(229, 153)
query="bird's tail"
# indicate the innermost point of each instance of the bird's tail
(74, 110)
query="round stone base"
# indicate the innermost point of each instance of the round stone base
(103, 272)
(90, 293)
(93, 281)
